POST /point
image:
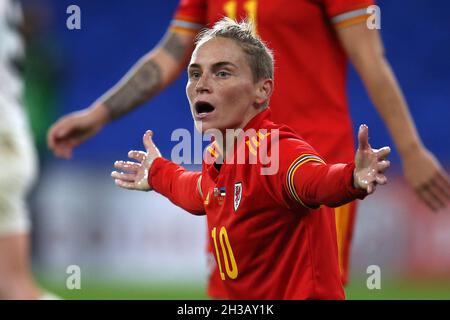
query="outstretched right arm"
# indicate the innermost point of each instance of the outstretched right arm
(151, 74)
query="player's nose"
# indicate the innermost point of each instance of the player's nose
(203, 84)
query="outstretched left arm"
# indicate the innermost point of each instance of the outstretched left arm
(333, 185)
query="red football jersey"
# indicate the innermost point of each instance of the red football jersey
(267, 243)
(310, 64)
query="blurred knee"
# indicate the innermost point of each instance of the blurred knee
(17, 288)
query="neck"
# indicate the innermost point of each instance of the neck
(227, 139)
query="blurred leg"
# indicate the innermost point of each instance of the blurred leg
(15, 275)
(18, 163)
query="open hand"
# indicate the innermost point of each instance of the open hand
(426, 176)
(134, 175)
(73, 129)
(370, 164)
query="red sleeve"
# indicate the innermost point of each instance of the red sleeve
(318, 184)
(190, 16)
(343, 13)
(287, 154)
(177, 184)
(304, 179)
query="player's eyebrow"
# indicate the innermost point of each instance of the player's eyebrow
(215, 66)
(222, 64)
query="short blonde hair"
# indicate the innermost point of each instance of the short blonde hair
(260, 57)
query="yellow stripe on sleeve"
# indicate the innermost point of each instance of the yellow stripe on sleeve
(351, 17)
(185, 26)
(183, 30)
(297, 163)
(351, 21)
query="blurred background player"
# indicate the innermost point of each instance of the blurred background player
(18, 162)
(312, 42)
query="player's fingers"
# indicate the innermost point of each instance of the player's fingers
(127, 166)
(51, 138)
(439, 187)
(68, 149)
(69, 144)
(365, 180)
(137, 155)
(61, 132)
(129, 177)
(149, 144)
(63, 151)
(57, 130)
(444, 182)
(61, 128)
(371, 188)
(380, 179)
(438, 193)
(124, 184)
(422, 195)
(383, 165)
(428, 197)
(363, 137)
(58, 141)
(147, 139)
(383, 152)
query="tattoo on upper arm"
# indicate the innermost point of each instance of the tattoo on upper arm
(173, 45)
(142, 83)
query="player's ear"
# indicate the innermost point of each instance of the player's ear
(264, 89)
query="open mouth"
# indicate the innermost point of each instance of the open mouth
(203, 108)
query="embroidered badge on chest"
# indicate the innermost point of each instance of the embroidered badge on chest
(237, 195)
(219, 194)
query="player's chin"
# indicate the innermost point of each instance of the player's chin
(207, 125)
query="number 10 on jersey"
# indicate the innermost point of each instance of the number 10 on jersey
(227, 253)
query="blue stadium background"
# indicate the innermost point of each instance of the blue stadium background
(114, 35)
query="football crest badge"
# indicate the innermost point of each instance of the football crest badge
(237, 195)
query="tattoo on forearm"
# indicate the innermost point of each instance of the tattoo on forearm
(142, 83)
(173, 45)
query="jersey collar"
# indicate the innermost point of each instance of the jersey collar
(256, 121)
(212, 151)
